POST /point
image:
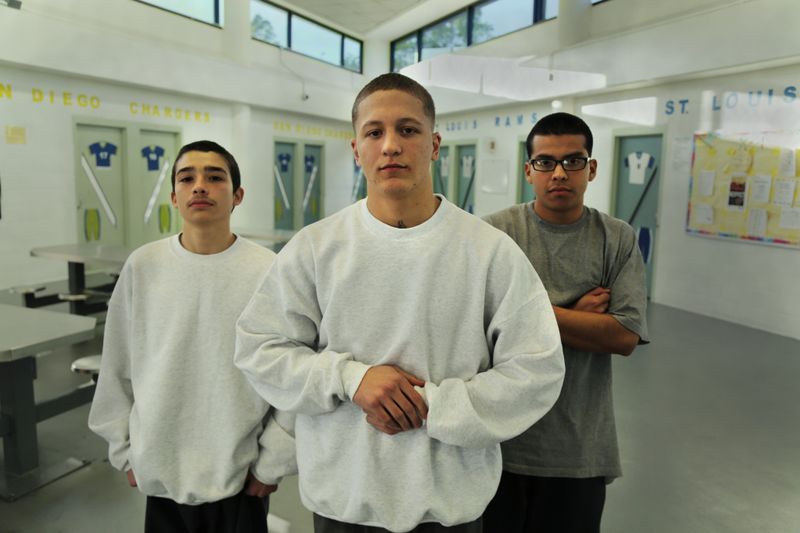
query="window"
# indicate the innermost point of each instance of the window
(404, 52)
(498, 17)
(474, 24)
(269, 24)
(208, 11)
(445, 36)
(550, 9)
(316, 41)
(352, 54)
(281, 27)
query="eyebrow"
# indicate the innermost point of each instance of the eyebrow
(401, 121)
(567, 156)
(205, 169)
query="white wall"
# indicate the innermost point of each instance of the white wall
(38, 177)
(124, 52)
(750, 284)
(122, 41)
(107, 59)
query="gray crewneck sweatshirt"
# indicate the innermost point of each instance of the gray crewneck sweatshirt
(169, 400)
(453, 301)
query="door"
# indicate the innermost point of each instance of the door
(638, 160)
(441, 172)
(359, 191)
(526, 192)
(100, 174)
(152, 216)
(312, 183)
(465, 181)
(283, 170)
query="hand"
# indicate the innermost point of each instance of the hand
(594, 301)
(131, 478)
(254, 487)
(387, 396)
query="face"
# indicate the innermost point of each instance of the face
(395, 145)
(559, 193)
(203, 189)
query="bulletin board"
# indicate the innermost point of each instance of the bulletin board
(746, 188)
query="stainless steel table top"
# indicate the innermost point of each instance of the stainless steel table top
(85, 253)
(25, 332)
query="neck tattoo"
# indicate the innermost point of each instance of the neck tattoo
(400, 224)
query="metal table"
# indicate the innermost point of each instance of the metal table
(76, 256)
(24, 333)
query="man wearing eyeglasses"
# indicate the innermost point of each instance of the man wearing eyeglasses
(555, 474)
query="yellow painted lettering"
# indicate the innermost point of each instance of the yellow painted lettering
(168, 112)
(83, 100)
(5, 91)
(134, 108)
(187, 114)
(67, 98)
(145, 109)
(37, 95)
(94, 102)
(206, 117)
(52, 95)
(198, 116)
(156, 111)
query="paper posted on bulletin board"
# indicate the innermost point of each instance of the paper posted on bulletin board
(745, 188)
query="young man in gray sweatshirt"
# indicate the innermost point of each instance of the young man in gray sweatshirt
(555, 474)
(409, 337)
(180, 419)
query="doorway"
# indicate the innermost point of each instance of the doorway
(638, 162)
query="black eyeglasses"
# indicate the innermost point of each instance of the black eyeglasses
(549, 165)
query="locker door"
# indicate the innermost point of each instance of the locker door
(151, 215)
(312, 184)
(526, 192)
(636, 202)
(441, 172)
(465, 165)
(283, 170)
(99, 178)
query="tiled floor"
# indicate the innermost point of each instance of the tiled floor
(707, 417)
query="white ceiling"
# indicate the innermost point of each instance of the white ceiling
(697, 38)
(357, 16)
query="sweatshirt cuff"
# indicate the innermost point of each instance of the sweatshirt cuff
(421, 392)
(352, 374)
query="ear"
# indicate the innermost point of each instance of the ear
(354, 147)
(174, 199)
(592, 169)
(528, 172)
(238, 196)
(437, 143)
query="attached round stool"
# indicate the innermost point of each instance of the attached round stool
(87, 365)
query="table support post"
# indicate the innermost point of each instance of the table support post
(77, 285)
(18, 405)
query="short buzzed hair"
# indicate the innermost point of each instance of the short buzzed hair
(210, 146)
(560, 124)
(393, 81)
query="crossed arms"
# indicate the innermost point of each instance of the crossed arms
(391, 403)
(587, 325)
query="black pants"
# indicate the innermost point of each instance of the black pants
(529, 504)
(326, 525)
(238, 514)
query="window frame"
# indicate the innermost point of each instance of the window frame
(219, 9)
(342, 37)
(538, 17)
